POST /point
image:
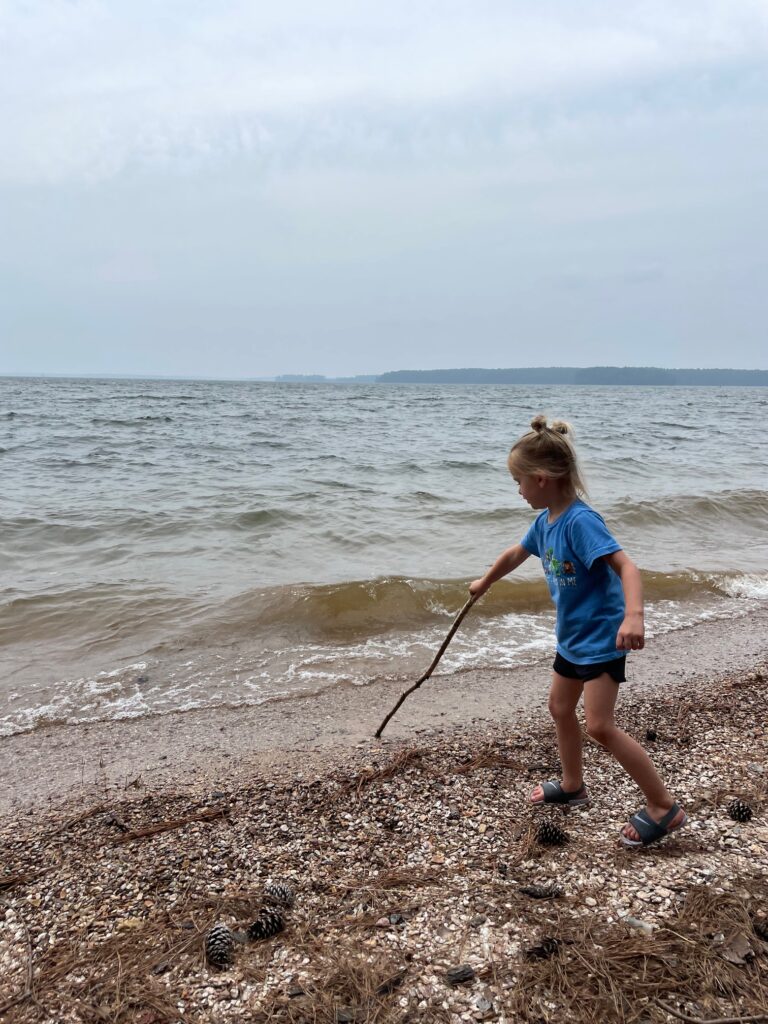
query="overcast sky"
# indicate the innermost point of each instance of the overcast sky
(252, 188)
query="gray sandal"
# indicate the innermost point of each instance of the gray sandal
(651, 831)
(555, 794)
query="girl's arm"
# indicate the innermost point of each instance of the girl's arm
(631, 635)
(505, 563)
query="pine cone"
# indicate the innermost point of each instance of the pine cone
(268, 923)
(219, 944)
(542, 892)
(739, 810)
(279, 892)
(546, 948)
(550, 834)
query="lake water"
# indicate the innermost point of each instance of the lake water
(175, 544)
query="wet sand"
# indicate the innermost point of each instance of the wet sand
(55, 764)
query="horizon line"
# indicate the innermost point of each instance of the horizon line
(319, 378)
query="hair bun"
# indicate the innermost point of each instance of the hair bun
(539, 425)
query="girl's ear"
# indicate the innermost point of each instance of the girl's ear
(541, 480)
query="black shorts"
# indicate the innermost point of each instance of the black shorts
(614, 668)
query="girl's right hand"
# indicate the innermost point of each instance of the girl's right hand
(478, 587)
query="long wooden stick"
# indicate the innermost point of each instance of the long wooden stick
(431, 668)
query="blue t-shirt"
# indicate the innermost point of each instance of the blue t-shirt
(587, 593)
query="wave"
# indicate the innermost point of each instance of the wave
(167, 398)
(375, 606)
(104, 421)
(352, 608)
(97, 616)
(263, 517)
(748, 585)
(321, 612)
(698, 509)
(424, 496)
(113, 530)
(467, 465)
(502, 514)
(676, 425)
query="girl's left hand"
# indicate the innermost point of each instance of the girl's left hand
(631, 635)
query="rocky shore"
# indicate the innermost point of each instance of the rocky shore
(421, 891)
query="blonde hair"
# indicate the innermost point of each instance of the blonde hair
(548, 451)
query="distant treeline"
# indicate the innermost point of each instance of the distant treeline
(650, 375)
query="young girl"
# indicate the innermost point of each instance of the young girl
(597, 592)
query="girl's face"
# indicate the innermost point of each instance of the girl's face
(533, 489)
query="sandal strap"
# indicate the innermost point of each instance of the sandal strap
(646, 828)
(555, 794)
(669, 817)
(650, 830)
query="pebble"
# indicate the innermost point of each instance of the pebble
(644, 926)
(460, 974)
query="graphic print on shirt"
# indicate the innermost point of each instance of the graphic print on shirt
(562, 573)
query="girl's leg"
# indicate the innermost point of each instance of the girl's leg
(564, 695)
(599, 701)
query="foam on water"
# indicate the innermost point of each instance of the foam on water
(750, 585)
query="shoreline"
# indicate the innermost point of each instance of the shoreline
(70, 762)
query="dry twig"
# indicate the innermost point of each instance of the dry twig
(489, 758)
(90, 813)
(167, 826)
(9, 881)
(403, 759)
(709, 1020)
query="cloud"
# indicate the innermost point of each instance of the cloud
(214, 188)
(88, 89)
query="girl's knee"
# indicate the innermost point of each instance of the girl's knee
(560, 709)
(601, 729)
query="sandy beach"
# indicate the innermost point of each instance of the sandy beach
(421, 891)
(52, 764)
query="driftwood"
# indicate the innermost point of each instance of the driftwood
(430, 670)
(172, 823)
